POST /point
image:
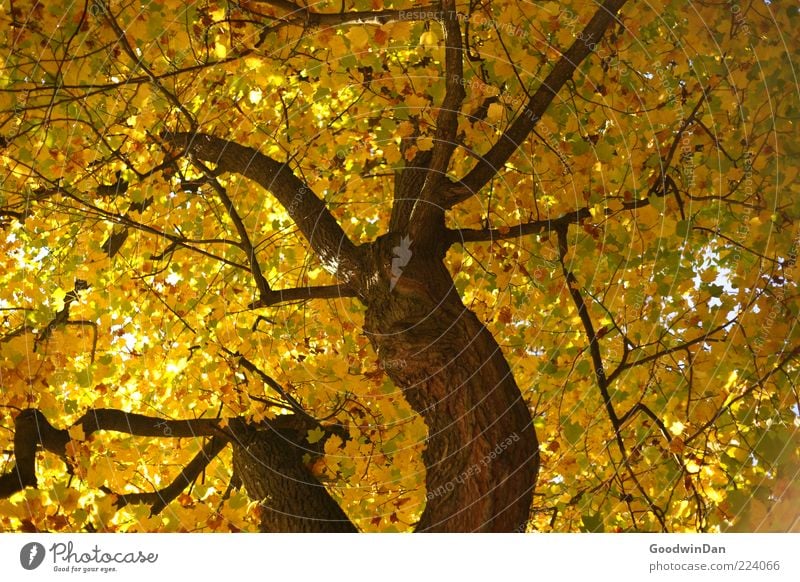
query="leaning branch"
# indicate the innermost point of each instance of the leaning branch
(335, 250)
(244, 237)
(521, 127)
(462, 235)
(447, 118)
(158, 500)
(599, 371)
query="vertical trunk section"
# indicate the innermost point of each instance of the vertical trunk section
(482, 452)
(270, 466)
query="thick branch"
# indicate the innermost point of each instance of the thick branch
(447, 118)
(335, 251)
(271, 467)
(563, 70)
(30, 428)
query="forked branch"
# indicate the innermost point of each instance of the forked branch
(520, 128)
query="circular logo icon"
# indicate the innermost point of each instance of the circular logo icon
(31, 555)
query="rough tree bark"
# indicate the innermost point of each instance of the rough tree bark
(271, 467)
(481, 454)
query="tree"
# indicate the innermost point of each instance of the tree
(335, 267)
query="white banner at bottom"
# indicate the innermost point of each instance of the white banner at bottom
(395, 557)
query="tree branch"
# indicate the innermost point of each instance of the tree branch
(334, 249)
(791, 355)
(461, 235)
(291, 402)
(428, 208)
(655, 356)
(244, 237)
(276, 296)
(513, 137)
(588, 326)
(31, 429)
(158, 500)
(599, 371)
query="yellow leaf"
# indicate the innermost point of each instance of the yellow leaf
(391, 154)
(495, 112)
(254, 96)
(76, 433)
(428, 39)
(676, 427)
(358, 38)
(405, 129)
(333, 444)
(337, 47)
(58, 299)
(315, 435)
(425, 143)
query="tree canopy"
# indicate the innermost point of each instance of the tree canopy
(486, 264)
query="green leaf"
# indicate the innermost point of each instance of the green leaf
(315, 435)
(592, 523)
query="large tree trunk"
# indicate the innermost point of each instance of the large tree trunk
(481, 453)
